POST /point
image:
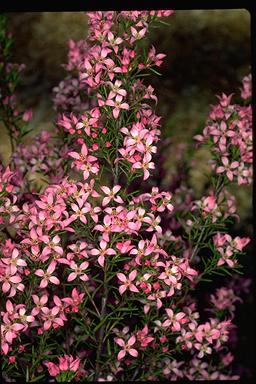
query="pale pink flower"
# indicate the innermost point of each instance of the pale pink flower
(228, 168)
(157, 296)
(111, 195)
(153, 223)
(117, 104)
(78, 271)
(116, 89)
(137, 35)
(40, 303)
(11, 282)
(127, 282)
(50, 318)
(80, 210)
(145, 165)
(126, 347)
(106, 228)
(174, 319)
(203, 349)
(103, 252)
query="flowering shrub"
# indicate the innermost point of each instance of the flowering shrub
(94, 286)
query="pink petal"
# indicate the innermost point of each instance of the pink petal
(106, 190)
(132, 340)
(133, 352)
(121, 277)
(101, 260)
(133, 288)
(39, 272)
(84, 277)
(43, 283)
(121, 354)
(132, 275)
(15, 279)
(72, 276)
(120, 342)
(122, 289)
(54, 280)
(116, 112)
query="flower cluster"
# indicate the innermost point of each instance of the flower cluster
(42, 157)
(228, 248)
(71, 94)
(224, 300)
(67, 369)
(229, 132)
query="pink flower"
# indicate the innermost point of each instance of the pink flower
(67, 363)
(10, 330)
(27, 115)
(14, 261)
(80, 210)
(146, 164)
(117, 104)
(126, 347)
(40, 303)
(174, 319)
(240, 242)
(50, 318)
(52, 368)
(228, 168)
(102, 252)
(47, 275)
(203, 349)
(153, 223)
(75, 300)
(157, 59)
(51, 245)
(127, 282)
(157, 296)
(78, 271)
(137, 35)
(114, 41)
(111, 195)
(143, 338)
(84, 162)
(106, 228)
(11, 282)
(124, 247)
(116, 89)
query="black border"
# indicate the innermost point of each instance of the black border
(111, 5)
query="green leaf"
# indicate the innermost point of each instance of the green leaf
(154, 71)
(37, 378)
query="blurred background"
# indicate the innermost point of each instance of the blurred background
(208, 52)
